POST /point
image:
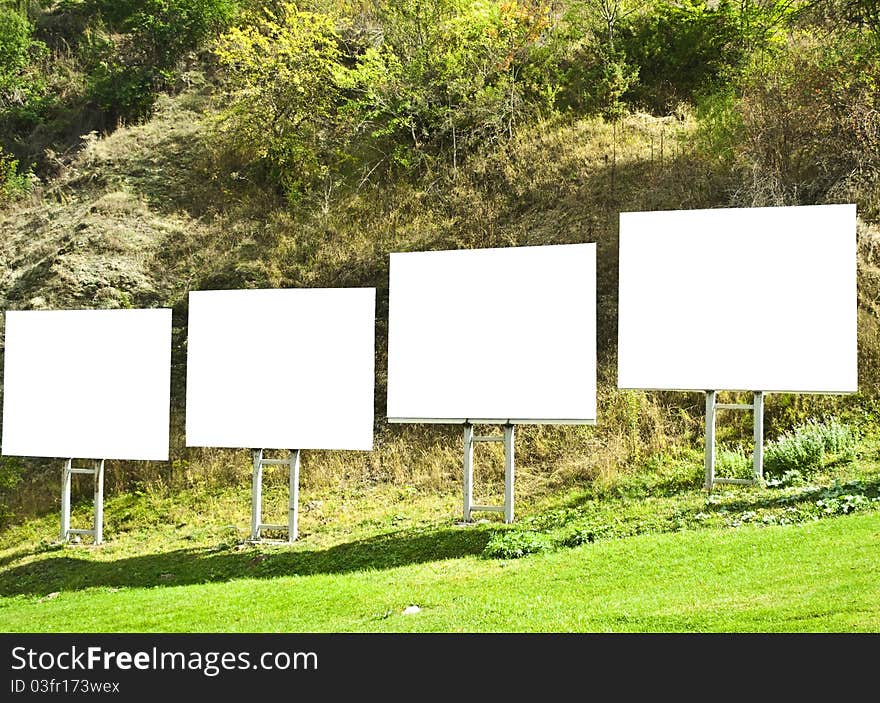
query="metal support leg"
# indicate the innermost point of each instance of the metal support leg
(758, 410)
(293, 505)
(710, 439)
(468, 470)
(508, 472)
(65, 500)
(257, 495)
(97, 474)
(99, 502)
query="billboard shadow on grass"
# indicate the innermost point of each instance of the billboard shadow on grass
(71, 572)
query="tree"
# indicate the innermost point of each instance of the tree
(612, 12)
(284, 73)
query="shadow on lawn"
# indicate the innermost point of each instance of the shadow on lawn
(190, 566)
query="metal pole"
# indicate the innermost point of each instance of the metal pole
(99, 502)
(65, 500)
(508, 473)
(468, 470)
(257, 495)
(758, 410)
(293, 507)
(710, 439)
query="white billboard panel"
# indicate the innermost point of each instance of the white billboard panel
(493, 334)
(282, 369)
(739, 299)
(87, 384)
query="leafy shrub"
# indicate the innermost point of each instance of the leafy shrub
(591, 76)
(843, 504)
(515, 544)
(15, 43)
(161, 31)
(680, 48)
(685, 49)
(312, 99)
(734, 463)
(144, 43)
(285, 73)
(808, 446)
(12, 182)
(808, 124)
(586, 535)
(839, 439)
(452, 74)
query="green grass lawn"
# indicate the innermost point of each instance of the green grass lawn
(821, 576)
(650, 551)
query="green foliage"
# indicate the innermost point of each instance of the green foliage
(690, 48)
(594, 79)
(15, 45)
(808, 447)
(734, 462)
(146, 40)
(680, 48)
(810, 123)
(86, 65)
(861, 14)
(285, 74)
(13, 183)
(443, 78)
(161, 31)
(452, 74)
(11, 472)
(720, 127)
(844, 504)
(515, 544)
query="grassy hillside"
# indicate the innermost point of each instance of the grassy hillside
(142, 216)
(820, 576)
(646, 552)
(212, 144)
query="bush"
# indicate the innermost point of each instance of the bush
(594, 80)
(284, 77)
(843, 504)
(680, 49)
(685, 49)
(515, 544)
(161, 31)
(734, 463)
(809, 447)
(15, 44)
(808, 123)
(452, 75)
(13, 183)
(311, 99)
(144, 42)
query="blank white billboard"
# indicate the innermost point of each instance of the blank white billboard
(739, 299)
(282, 369)
(507, 335)
(87, 384)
